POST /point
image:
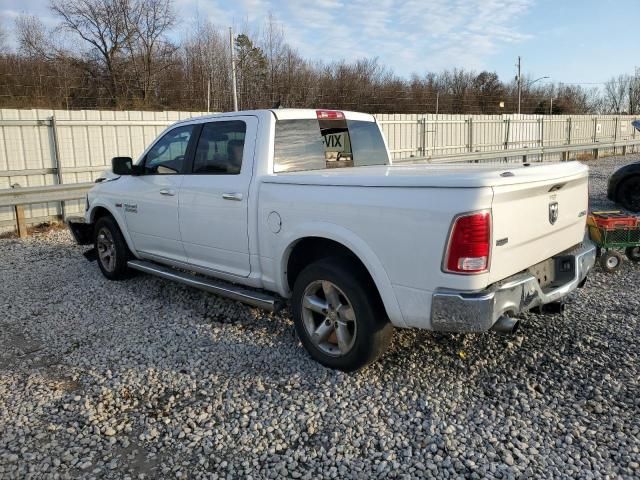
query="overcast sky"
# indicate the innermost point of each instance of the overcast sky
(571, 41)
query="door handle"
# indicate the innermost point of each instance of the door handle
(232, 196)
(166, 191)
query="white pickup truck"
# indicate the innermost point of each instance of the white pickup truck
(306, 205)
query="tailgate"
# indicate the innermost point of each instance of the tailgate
(536, 220)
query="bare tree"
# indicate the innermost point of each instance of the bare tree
(274, 48)
(148, 22)
(205, 54)
(3, 40)
(120, 55)
(102, 25)
(615, 93)
(33, 38)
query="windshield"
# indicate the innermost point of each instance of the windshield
(319, 144)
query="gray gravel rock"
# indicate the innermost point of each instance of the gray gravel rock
(147, 379)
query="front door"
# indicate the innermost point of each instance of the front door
(151, 211)
(214, 196)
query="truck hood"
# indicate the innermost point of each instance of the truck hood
(462, 175)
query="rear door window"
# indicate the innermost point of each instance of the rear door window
(220, 148)
(327, 143)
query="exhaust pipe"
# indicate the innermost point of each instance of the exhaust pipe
(549, 308)
(506, 325)
(554, 307)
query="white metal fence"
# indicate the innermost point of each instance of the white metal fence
(436, 136)
(47, 147)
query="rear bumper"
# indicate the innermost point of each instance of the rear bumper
(456, 311)
(81, 231)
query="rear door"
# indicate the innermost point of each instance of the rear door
(536, 220)
(151, 201)
(214, 196)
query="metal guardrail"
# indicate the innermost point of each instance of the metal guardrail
(17, 197)
(10, 197)
(524, 153)
(20, 196)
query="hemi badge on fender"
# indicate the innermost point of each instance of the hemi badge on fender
(502, 241)
(118, 205)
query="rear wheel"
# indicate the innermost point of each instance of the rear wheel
(610, 261)
(629, 194)
(338, 316)
(111, 249)
(633, 253)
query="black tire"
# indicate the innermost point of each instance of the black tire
(371, 332)
(629, 194)
(611, 261)
(117, 268)
(633, 253)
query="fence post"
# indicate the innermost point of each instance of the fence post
(470, 134)
(625, 140)
(567, 153)
(434, 146)
(20, 221)
(541, 132)
(542, 138)
(423, 122)
(615, 135)
(596, 152)
(21, 225)
(507, 132)
(56, 158)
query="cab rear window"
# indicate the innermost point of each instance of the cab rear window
(333, 143)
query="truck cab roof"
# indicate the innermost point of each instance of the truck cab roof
(284, 114)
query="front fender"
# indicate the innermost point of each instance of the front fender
(354, 243)
(116, 214)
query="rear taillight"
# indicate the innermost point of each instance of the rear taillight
(469, 245)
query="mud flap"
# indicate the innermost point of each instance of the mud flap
(91, 254)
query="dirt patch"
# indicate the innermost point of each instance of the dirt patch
(40, 228)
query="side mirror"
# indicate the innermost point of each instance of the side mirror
(122, 165)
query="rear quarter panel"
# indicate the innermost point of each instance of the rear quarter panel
(398, 233)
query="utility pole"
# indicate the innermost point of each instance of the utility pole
(233, 71)
(519, 85)
(551, 107)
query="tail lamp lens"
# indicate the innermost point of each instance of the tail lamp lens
(469, 244)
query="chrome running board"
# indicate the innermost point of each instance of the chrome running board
(218, 287)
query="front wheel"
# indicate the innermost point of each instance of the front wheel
(111, 248)
(338, 315)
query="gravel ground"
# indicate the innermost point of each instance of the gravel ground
(146, 379)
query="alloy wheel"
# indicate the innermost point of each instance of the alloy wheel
(329, 318)
(106, 249)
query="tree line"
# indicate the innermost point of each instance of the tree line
(121, 54)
